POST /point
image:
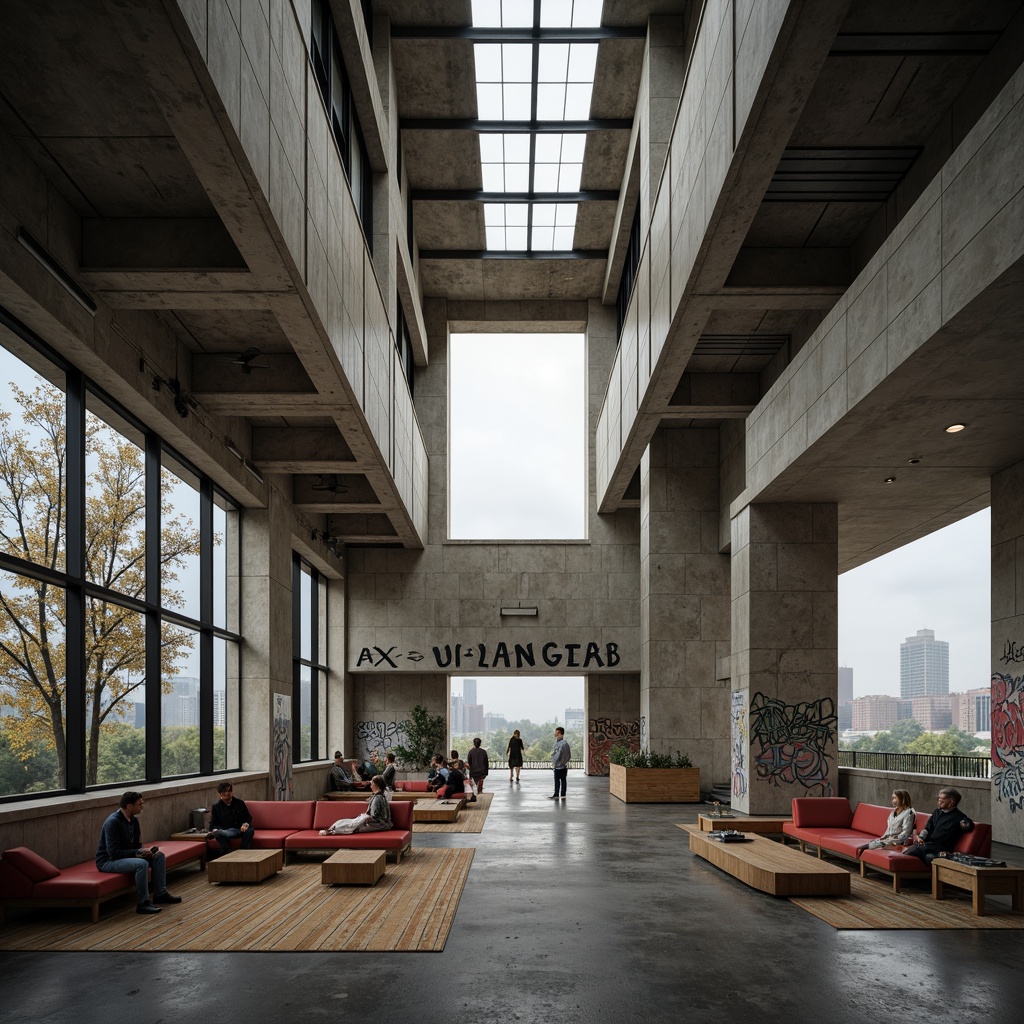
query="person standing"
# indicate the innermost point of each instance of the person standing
(514, 753)
(230, 819)
(479, 767)
(560, 758)
(120, 852)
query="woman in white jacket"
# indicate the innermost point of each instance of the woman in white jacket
(900, 827)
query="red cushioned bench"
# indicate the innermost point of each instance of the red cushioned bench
(398, 838)
(28, 880)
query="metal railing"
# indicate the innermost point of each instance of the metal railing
(502, 765)
(964, 766)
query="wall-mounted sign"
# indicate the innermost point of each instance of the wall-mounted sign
(501, 655)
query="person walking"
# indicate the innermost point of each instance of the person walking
(514, 753)
(479, 766)
(560, 758)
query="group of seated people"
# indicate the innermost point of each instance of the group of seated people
(447, 777)
(936, 839)
(349, 773)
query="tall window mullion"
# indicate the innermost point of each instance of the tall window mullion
(154, 667)
(206, 541)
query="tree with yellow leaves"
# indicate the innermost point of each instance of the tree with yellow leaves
(33, 610)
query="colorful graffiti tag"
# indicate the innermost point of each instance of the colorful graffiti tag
(377, 736)
(605, 733)
(794, 741)
(740, 742)
(1008, 739)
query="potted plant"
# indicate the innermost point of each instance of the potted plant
(423, 736)
(640, 776)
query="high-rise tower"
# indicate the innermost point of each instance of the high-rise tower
(924, 666)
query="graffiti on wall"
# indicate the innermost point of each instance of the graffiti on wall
(282, 747)
(377, 736)
(1008, 739)
(605, 733)
(740, 743)
(794, 741)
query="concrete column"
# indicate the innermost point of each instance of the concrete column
(1008, 656)
(612, 710)
(266, 607)
(684, 602)
(784, 655)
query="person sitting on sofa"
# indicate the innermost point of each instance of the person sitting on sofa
(900, 827)
(376, 817)
(338, 781)
(439, 778)
(388, 775)
(944, 829)
(455, 787)
(230, 819)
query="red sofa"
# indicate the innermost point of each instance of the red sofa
(294, 825)
(398, 838)
(28, 880)
(830, 824)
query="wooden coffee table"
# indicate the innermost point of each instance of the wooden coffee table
(439, 811)
(771, 867)
(979, 882)
(245, 866)
(762, 826)
(353, 867)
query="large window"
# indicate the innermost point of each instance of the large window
(517, 422)
(337, 96)
(309, 662)
(118, 591)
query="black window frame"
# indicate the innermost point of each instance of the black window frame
(318, 670)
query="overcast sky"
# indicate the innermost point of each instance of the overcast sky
(540, 698)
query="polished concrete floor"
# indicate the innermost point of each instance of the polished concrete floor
(586, 910)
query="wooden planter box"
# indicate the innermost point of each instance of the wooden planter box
(654, 785)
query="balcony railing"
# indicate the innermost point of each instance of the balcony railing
(964, 766)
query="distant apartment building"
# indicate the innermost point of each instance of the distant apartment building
(924, 666)
(933, 714)
(972, 711)
(457, 715)
(845, 708)
(574, 719)
(493, 723)
(469, 691)
(473, 718)
(875, 714)
(220, 709)
(180, 707)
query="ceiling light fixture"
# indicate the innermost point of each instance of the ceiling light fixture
(955, 428)
(234, 449)
(890, 479)
(914, 461)
(520, 610)
(252, 469)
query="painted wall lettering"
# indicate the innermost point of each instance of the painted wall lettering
(502, 655)
(740, 743)
(794, 741)
(605, 733)
(1008, 739)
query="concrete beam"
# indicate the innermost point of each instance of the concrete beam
(302, 450)
(158, 243)
(351, 493)
(800, 269)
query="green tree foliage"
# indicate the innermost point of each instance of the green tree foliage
(33, 481)
(952, 741)
(538, 739)
(423, 737)
(35, 773)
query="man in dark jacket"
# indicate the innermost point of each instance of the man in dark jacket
(120, 852)
(230, 819)
(944, 829)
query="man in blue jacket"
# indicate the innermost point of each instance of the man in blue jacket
(944, 829)
(120, 852)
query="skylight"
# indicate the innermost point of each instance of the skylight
(533, 82)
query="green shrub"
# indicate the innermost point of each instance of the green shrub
(620, 754)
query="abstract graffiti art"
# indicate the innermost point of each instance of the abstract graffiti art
(1008, 739)
(605, 733)
(740, 741)
(794, 741)
(377, 737)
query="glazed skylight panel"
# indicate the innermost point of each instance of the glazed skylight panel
(553, 13)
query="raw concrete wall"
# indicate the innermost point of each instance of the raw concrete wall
(382, 703)
(864, 785)
(612, 710)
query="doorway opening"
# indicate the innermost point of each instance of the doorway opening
(491, 708)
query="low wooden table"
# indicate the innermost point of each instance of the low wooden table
(775, 869)
(191, 835)
(762, 826)
(353, 867)
(439, 811)
(245, 866)
(979, 882)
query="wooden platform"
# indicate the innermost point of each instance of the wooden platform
(762, 826)
(364, 795)
(979, 882)
(439, 811)
(353, 867)
(771, 867)
(249, 866)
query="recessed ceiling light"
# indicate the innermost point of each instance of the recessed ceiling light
(890, 479)
(955, 428)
